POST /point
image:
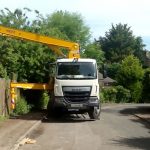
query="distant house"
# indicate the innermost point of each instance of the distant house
(105, 81)
(108, 81)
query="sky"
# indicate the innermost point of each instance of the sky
(99, 15)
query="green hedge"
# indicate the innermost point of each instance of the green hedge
(115, 94)
(21, 107)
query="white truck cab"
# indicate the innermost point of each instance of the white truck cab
(76, 88)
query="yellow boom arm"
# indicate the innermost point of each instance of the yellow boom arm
(53, 43)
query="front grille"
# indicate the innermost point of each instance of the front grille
(82, 95)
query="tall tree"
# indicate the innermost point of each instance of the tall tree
(119, 42)
(71, 25)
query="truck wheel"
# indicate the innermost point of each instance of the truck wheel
(94, 112)
(52, 111)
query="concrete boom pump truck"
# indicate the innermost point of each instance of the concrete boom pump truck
(75, 87)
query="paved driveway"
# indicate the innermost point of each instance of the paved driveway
(120, 128)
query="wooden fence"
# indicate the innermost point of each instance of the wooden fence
(4, 97)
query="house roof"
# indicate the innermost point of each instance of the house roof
(109, 80)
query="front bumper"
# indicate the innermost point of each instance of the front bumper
(81, 105)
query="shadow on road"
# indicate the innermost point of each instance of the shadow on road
(137, 109)
(34, 115)
(140, 142)
(63, 118)
(67, 119)
(142, 114)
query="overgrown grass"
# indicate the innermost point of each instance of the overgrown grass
(3, 118)
(44, 100)
(21, 107)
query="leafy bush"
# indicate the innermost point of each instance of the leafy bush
(122, 95)
(109, 94)
(136, 91)
(102, 98)
(44, 100)
(115, 94)
(21, 106)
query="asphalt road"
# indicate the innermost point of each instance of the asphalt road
(119, 128)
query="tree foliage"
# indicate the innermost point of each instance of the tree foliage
(111, 70)
(119, 42)
(71, 25)
(3, 72)
(146, 86)
(93, 50)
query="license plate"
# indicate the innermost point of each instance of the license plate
(73, 109)
(76, 105)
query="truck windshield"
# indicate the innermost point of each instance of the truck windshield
(76, 70)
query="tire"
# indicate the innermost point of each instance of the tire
(94, 112)
(50, 106)
(52, 111)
